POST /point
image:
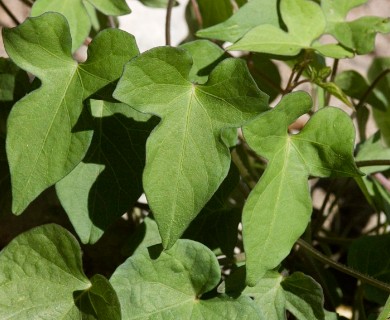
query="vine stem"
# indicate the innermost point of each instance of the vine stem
(343, 268)
(9, 13)
(372, 87)
(371, 163)
(168, 22)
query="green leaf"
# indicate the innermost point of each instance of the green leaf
(149, 287)
(382, 118)
(269, 296)
(100, 301)
(214, 12)
(108, 181)
(41, 277)
(111, 7)
(180, 177)
(278, 209)
(77, 15)
(252, 14)
(354, 85)
(14, 83)
(304, 296)
(334, 90)
(43, 145)
(298, 293)
(266, 74)
(205, 55)
(370, 255)
(271, 39)
(145, 235)
(359, 34)
(373, 149)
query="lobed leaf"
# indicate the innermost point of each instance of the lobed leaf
(359, 34)
(278, 208)
(186, 157)
(109, 179)
(305, 22)
(41, 277)
(43, 142)
(149, 287)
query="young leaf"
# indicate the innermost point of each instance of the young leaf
(359, 34)
(43, 145)
(305, 22)
(278, 209)
(108, 181)
(171, 285)
(41, 277)
(186, 157)
(77, 15)
(252, 14)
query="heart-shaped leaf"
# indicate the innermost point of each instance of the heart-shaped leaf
(278, 208)
(170, 286)
(186, 157)
(109, 179)
(43, 144)
(76, 13)
(41, 277)
(305, 22)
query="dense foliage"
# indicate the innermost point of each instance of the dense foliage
(253, 211)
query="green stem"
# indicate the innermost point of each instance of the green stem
(332, 77)
(343, 268)
(9, 13)
(371, 163)
(372, 87)
(168, 22)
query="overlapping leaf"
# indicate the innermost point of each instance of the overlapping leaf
(252, 14)
(297, 293)
(108, 181)
(278, 209)
(76, 13)
(43, 144)
(41, 277)
(370, 255)
(149, 287)
(359, 34)
(305, 22)
(214, 12)
(186, 157)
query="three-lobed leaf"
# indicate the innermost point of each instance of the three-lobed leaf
(170, 286)
(43, 142)
(109, 179)
(278, 209)
(41, 277)
(187, 154)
